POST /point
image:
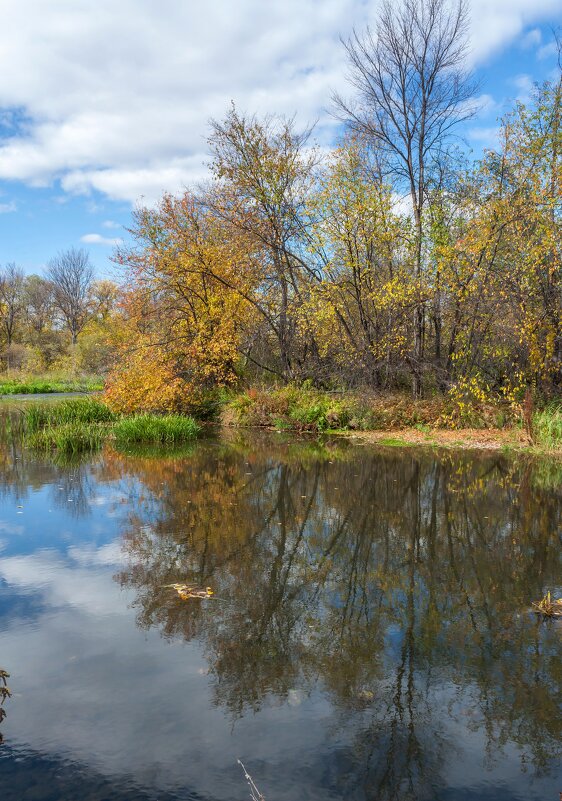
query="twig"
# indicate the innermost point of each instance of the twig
(254, 792)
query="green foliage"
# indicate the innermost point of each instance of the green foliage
(305, 409)
(169, 429)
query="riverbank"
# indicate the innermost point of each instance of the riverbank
(399, 420)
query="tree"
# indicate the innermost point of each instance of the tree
(38, 300)
(11, 302)
(263, 171)
(72, 275)
(179, 335)
(411, 91)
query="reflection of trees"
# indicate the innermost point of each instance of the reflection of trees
(398, 582)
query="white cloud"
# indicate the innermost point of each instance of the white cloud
(98, 239)
(6, 208)
(531, 39)
(111, 224)
(487, 136)
(116, 98)
(547, 51)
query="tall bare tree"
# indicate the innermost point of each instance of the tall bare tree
(72, 276)
(38, 299)
(11, 302)
(411, 90)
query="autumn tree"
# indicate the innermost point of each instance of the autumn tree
(365, 297)
(182, 321)
(263, 171)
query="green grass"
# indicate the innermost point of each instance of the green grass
(48, 385)
(150, 428)
(69, 438)
(76, 411)
(547, 427)
(76, 425)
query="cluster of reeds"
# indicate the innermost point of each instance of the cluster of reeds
(78, 425)
(166, 430)
(547, 426)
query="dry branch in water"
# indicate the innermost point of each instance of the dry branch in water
(254, 792)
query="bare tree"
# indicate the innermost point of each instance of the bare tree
(11, 301)
(72, 275)
(412, 89)
(38, 300)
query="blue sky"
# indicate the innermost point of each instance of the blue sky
(106, 105)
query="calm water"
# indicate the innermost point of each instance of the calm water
(369, 637)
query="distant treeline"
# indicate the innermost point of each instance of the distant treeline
(58, 322)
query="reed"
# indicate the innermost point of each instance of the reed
(79, 411)
(69, 438)
(151, 428)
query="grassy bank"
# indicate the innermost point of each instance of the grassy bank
(395, 419)
(77, 425)
(37, 385)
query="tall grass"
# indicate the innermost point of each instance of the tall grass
(69, 438)
(77, 411)
(151, 428)
(547, 427)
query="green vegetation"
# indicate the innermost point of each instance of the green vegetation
(305, 409)
(76, 425)
(547, 427)
(36, 385)
(168, 430)
(70, 438)
(71, 411)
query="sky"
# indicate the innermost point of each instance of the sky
(105, 105)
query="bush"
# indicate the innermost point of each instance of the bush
(305, 409)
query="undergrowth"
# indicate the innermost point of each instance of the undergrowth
(311, 410)
(547, 426)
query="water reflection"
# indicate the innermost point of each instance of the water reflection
(373, 603)
(398, 583)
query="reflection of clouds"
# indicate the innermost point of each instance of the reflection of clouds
(95, 689)
(110, 554)
(11, 528)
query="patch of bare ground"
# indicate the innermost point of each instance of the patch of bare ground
(479, 439)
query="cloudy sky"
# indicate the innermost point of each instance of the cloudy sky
(103, 105)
